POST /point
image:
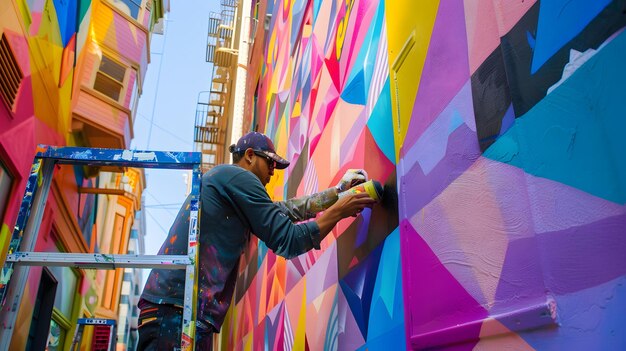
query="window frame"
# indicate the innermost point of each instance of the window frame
(123, 84)
(6, 172)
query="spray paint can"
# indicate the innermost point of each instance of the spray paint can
(372, 187)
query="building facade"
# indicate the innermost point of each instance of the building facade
(497, 128)
(71, 74)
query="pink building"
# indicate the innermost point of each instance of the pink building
(71, 73)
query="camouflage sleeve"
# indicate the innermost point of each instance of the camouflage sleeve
(306, 207)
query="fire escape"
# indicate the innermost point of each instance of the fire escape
(211, 126)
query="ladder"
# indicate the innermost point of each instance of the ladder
(20, 257)
(104, 334)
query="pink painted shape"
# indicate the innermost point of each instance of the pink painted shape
(479, 213)
(343, 127)
(481, 26)
(324, 106)
(322, 25)
(434, 299)
(317, 58)
(360, 21)
(293, 304)
(556, 206)
(323, 274)
(319, 317)
(510, 12)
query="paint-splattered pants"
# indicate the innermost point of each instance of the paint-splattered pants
(160, 328)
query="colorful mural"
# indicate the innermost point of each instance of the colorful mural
(325, 92)
(497, 125)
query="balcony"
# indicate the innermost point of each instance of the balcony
(100, 121)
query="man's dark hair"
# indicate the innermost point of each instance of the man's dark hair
(237, 156)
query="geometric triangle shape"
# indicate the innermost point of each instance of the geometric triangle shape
(437, 301)
(354, 92)
(358, 286)
(559, 22)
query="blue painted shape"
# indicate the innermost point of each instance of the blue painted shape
(262, 251)
(317, 4)
(575, 135)
(365, 62)
(394, 339)
(297, 16)
(380, 124)
(387, 311)
(354, 92)
(432, 146)
(531, 40)
(559, 22)
(363, 228)
(507, 120)
(358, 286)
(456, 120)
(66, 11)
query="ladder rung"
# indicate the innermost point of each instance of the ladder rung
(95, 321)
(100, 261)
(119, 157)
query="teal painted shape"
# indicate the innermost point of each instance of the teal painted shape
(380, 124)
(559, 22)
(363, 67)
(262, 251)
(455, 121)
(317, 4)
(387, 307)
(575, 135)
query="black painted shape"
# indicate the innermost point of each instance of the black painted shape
(505, 78)
(526, 89)
(491, 97)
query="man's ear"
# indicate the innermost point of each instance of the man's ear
(248, 155)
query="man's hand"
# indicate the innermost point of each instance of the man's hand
(351, 178)
(353, 204)
(346, 206)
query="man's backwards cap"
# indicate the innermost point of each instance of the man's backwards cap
(259, 142)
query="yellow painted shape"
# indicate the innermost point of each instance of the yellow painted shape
(247, 341)
(275, 187)
(5, 238)
(271, 57)
(299, 335)
(102, 22)
(409, 28)
(297, 109)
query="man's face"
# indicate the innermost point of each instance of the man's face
(264, 167)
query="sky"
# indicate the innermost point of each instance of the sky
(165, 117)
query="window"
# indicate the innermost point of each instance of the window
(41, 325)
(56, 336)
(10, 74)
(110, 78)
(68, 279)
(134, 97)
(5, 188)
